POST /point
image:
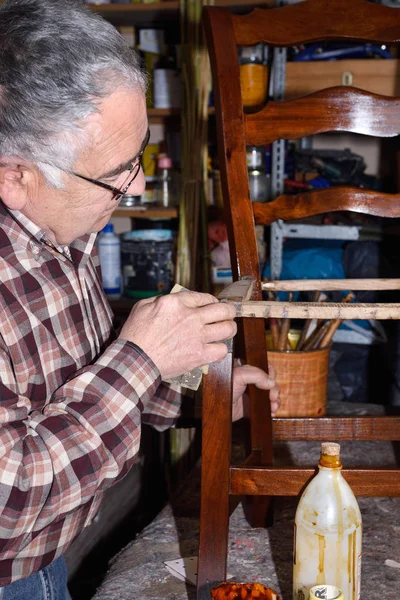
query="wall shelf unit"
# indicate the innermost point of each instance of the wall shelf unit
(161, 115)
(156, 212)
(142, 14)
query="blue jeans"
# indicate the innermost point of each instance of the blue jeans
(48, 584)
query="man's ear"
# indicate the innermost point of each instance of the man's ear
(15, 180)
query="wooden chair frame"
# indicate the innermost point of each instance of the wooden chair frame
(257, 477)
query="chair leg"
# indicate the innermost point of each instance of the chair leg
(215, 476)
(258, 509)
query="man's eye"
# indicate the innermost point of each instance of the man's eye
(116, 178)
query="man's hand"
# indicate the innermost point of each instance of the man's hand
(181, 331)
(243, 375)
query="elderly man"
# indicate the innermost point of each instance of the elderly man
(73, 127)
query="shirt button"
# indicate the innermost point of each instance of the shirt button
(34, 248)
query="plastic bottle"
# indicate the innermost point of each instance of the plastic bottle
(328, 529)
(167, 82)
(109, 247)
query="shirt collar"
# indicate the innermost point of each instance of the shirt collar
(78, 251)
(39, 233)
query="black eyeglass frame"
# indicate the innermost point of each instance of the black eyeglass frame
(135, 168)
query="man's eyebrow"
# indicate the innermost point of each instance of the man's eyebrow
(128, 164)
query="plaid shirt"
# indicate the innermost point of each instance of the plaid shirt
(72, 397)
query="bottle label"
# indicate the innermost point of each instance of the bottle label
(326, 592)
(254, 157)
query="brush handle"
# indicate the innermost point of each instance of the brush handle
(327, 338)
(307, 325)
(314, 339)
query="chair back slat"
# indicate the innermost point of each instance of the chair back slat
(333, 109)
(302, 23)
(317, 202)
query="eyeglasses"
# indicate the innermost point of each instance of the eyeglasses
(133, 173)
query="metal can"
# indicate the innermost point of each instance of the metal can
(326, 592)
(129, 200)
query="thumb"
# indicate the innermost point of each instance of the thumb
(247, 375)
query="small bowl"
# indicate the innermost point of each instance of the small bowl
(233, 590)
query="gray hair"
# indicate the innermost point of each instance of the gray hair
(58, 60)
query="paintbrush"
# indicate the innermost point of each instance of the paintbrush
(273, 325)
(333, 325)
(309, 324)
(283, 341)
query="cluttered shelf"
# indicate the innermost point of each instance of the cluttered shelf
(143, 13)
(159, 115)
(303, 78)
(141, 212)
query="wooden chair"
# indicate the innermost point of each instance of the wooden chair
(333, 109)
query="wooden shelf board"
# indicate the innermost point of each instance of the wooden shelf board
(380, 76)
(160, 115)
(106, 9)
(374, 75)
(158, 212)
(140, 13)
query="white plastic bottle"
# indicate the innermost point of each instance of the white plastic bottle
(328, 530)
(109, 247)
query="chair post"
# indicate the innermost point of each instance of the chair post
(215, 473)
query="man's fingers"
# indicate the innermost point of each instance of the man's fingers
(197, 299)
(274, 394)
(217, 332)
(248, 374)
(274, 408)
(212, 313)
(214, 352)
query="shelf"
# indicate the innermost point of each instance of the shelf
(160, 115)
(142, 14)
(380, 76)
(156, 212)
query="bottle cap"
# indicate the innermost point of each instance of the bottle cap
(164, 162)
(109, 228)
(330, 449)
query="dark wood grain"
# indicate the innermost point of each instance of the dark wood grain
(239, 216)
(216, 450)
(340, 20)
(289, 481)
(338, 428)
(333, 109)
(318, 202)
(231, 140)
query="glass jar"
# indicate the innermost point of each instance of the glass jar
(259, 185)
(253, 75)
(259, 180)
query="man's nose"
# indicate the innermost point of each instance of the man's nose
(138, 185)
